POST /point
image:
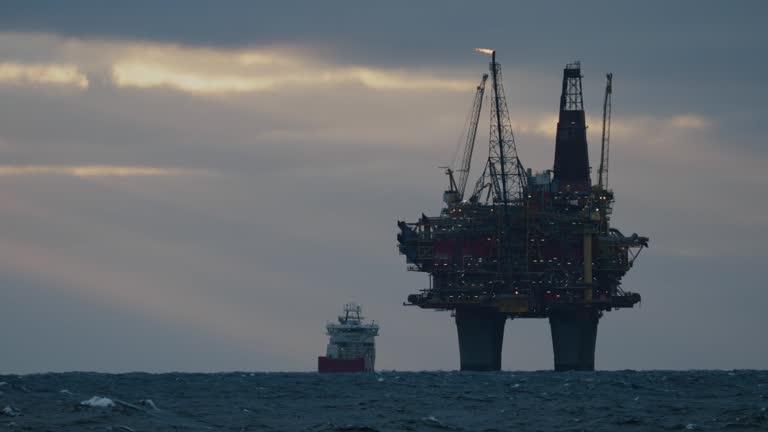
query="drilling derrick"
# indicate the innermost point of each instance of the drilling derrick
(539, 245)
(506, 171)
(571, 154)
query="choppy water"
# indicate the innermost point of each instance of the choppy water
(391, 401)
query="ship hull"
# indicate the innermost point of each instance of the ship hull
(331, 365)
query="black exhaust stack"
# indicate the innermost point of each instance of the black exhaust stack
(571, 154)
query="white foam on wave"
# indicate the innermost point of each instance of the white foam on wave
(98, 401)
(10, 411)
(150, 403)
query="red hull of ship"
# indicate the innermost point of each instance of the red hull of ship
(325, 364)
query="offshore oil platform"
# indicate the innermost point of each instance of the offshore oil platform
(525, 244)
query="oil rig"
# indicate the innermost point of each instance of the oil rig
(525, 244)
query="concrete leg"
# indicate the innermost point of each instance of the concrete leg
(573, 339)
(481, 334)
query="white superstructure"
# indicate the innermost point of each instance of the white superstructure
(350, 338)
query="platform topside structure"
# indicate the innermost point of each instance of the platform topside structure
(522, 244)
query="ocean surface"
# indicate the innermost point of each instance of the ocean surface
(388, 401)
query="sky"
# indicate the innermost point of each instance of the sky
(201, 186)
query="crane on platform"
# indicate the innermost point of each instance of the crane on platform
(477, 106)
(457, 189)
(605, 146)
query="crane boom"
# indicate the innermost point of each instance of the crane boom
(477, 106)
(605, 146)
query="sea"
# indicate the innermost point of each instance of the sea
(387, 401)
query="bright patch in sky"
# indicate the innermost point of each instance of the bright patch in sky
(202, 70)
(232, 76)
(21, 73)
(690, 121)
(91, 170)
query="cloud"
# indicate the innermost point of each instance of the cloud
(55, 74)
(155, 75)
(690, 121)
(204, 70)
(233, 77)
(622, 126)
(86, 171)
(535, 123)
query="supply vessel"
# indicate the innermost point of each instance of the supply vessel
(352, 346)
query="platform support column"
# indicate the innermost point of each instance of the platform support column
(574, 333)
(481, 335)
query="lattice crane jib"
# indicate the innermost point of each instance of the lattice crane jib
(605, 145)
(477, 106)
